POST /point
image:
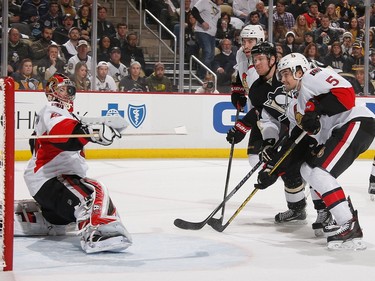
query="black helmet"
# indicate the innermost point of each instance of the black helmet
(265, 48)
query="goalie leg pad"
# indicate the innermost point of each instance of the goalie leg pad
(29, 221)
(100, 226)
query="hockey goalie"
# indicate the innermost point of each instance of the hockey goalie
(56, 177)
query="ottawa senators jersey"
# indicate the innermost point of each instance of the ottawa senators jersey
(245, 70)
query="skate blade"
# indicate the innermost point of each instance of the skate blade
(291, 223)
(113, 244)
(353, 245)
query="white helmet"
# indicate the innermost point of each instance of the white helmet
(292, 61)
(253, 31)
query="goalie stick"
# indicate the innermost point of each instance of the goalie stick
(217, 223)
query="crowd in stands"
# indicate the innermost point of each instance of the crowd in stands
(49, 36)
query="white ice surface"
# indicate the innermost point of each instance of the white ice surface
(151, 194)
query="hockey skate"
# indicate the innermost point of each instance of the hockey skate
(323, 219)
(29, 221)
(347, 237)
(291, 217)
(371, 188)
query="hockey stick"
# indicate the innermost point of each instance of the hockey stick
(217, 224)
(177, 131)
(229, 167)
(183, 224)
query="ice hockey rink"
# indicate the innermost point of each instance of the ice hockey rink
(151, 194)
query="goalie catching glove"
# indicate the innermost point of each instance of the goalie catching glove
(102, 134)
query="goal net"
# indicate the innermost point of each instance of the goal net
(6, 172)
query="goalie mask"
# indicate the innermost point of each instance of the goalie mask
(60, 88)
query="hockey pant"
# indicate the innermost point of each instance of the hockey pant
(338, 153)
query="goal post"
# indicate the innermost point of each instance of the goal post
(6, 172)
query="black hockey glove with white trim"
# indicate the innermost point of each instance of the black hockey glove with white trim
(238, 132)
(268, 152)
(102, 134)
(265, 179)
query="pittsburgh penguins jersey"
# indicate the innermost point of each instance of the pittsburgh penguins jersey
(336, 98)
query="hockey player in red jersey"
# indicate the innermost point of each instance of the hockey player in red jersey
(326, 110)
(56, 177)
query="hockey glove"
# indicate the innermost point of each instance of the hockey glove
(265, 179)
(102, 134)
(310, 122)
(238, 96)
(237, 133)
(268, 152)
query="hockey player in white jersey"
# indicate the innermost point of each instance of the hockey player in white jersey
(326, 110)
(246, 73)
(56, 177)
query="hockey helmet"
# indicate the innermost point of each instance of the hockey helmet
(265, 48)
(292, 61)
(253, 31)
(53, 91)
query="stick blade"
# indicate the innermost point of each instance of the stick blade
(188, 225)
(181, 130)
(216, 224)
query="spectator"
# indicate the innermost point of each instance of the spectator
(279, 31)
(233, 22)
(325, 35)
(254, 19)
(331, 12)
(191, 44)
(372, 16)
(223, 66)
(84, 22)
(263, 13)
(346, 45)
(353, 28)
(104, 82)
(14, 12)
(66, 7)
(335, 58)
(18, 50)
(296, 8)
(312, 16)
(105, 27)
(82, 55)
(24, 78)
(372, 65)
(299, 29)
(356, 58)
(131, 52)
(345, 11)
(359, 83)
(176, 20)
(49, 64)
(157, 81)
(105, 45)
(309, 38)
(311, 52)
(52, 18)
(33, 10)
(121, 34)
(61, 35)
(80, 77)
(40, 47)
(279, 50)
(69, 48)
(371, 37)
(133, 82)
(289, 45)
(207, 13)
(224, 31)
(242, 8)
(281, 15)
(208, 85)
(116, 68)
